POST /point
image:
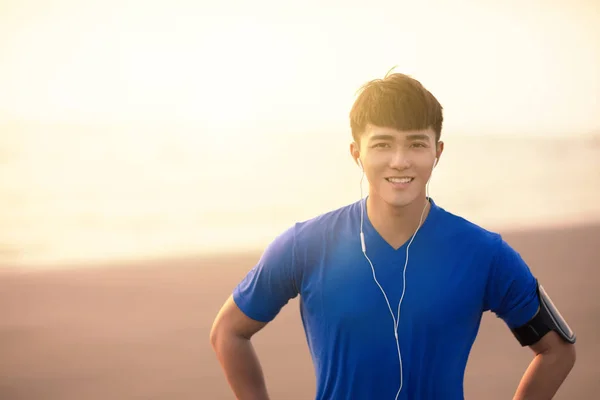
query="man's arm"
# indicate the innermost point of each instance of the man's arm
(554, 358)
(255, 301)
(230, 338)
(514, 294)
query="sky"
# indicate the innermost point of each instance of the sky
(129, 127)
(495, 66)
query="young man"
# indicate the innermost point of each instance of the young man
(393, 287)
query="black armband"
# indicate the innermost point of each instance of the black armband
(545, 320)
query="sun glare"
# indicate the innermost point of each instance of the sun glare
(125, 111)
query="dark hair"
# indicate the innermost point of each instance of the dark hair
(397, 101)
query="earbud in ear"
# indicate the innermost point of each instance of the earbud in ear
(435, 162)
(359, 163)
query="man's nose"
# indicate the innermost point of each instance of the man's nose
(400, 160)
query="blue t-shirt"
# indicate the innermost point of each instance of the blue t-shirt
(456, 271)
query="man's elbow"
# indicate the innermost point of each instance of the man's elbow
(556, 350)
(564, 355)
(215, 335)
(221, 333)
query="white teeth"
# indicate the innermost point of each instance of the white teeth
(399, 180)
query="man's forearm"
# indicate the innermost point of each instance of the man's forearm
(545, 375)
(242, 367)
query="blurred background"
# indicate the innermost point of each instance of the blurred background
(196, 130)
(150, 128)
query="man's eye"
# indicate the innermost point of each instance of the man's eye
(381, 145)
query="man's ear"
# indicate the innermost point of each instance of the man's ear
(355, 153)
(439, 149)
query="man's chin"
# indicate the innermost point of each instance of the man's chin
(397, 202)
(400, 201)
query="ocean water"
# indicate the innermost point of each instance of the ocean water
(73, 193)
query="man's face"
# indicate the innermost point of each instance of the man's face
(397, 164)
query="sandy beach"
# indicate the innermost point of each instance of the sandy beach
(140, 330)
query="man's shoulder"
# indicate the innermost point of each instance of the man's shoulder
(463, 228)
(311, 233)
(328, 219)
(321, 227)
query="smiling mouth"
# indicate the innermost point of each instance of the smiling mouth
(400, 180)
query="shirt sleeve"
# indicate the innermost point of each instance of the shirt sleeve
(511, 291)
(270, 284)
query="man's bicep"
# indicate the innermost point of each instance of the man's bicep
(233, 320)
(551, 341)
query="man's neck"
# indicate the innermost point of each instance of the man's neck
(396, 225)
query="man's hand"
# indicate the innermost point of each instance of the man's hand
(553, 361)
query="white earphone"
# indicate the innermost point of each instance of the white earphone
(395, 319)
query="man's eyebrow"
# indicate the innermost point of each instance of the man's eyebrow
(418, 136)
(381, 137)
